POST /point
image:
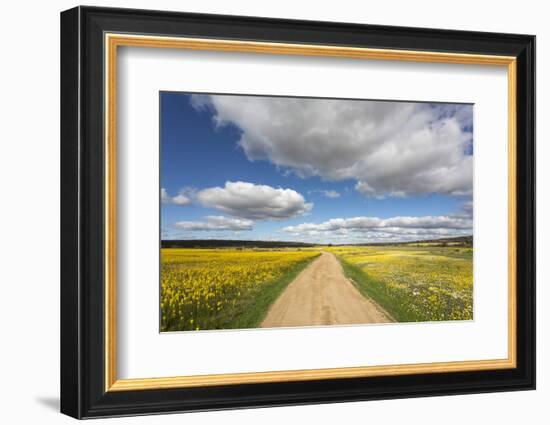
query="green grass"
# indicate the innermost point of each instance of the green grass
(206, 289)
(256, 311)
(376, 290)
(413, 284)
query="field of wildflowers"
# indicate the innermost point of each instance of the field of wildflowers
(223, 288)
(413, 283)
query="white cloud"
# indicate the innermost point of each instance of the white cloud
(393, 224)
(468, 208)
(374, 229)
(326, 193)
(252, 201)
(466, 211)
(394, 148)
(331, 194)
(215, 223)
(180, 199)
(354, 237)
(365, 188)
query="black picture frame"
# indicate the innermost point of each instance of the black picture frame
(83, 392)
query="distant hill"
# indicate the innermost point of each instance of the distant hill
(467, 241)
(223, 243)
(459, 241)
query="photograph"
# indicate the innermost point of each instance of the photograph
(288, 210)
(292, 211)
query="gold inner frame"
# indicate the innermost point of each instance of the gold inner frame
(113, 41)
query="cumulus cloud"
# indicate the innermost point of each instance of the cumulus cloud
(331, 194)
(468, 208)
(253, 201)
(367, 190)
(390, 148)
(392, 224)
(180, 199)
(374, 229)
(326, 193)
(466, 211)
(215, 223)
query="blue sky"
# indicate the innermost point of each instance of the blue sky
(315, 170)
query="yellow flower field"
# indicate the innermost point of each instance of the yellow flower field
(414, 283)
(231, 288)
(223, 288)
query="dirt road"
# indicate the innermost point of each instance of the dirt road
(322, 295)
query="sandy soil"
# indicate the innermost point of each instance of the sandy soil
(322, 295)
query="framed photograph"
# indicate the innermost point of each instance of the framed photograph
(261, 212)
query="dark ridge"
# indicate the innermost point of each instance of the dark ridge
(462, 241)
(458, 241)
(466, 241)
(223, 243)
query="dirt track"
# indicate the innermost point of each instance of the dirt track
(322, 295)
